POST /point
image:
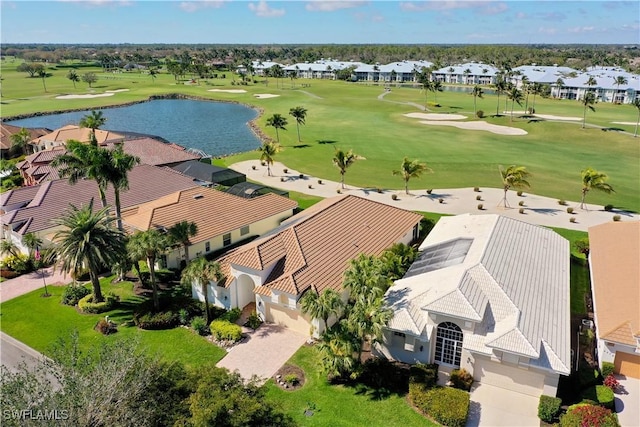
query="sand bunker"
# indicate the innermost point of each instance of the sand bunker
(433, 116)
(97, 95)
(478, 125)
(228, 90)
(117, 90)
(625, 123)
(550, 117)
(265, 95)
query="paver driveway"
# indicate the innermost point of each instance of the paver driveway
(263, 352)
(493, 406)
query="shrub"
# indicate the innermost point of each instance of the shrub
(254, 321)
(285, 170)
(429, 191)
(519, 193)
(424, 374)
(282, 179)
(106, 327)
(87, 305)
(223, 330)
(448, 406)
(521, 203)
(301, 176)
(585, 415)
(587, 376)
(607, 369)
(572, 219)
(394, 197)
(611, 382)
(476, 189)
(310, 187)
(569, 210)
(616, 218)
(232, 315)
(291, 379)
(478, 197)
(156, 321)
(183, 316)
(200, 326)
(441, 200)
(601, 394)
(379, 190)
(339, 191)
(253, 167)
(521, 210)
(562, 202)
(461, 379)
(480, 206)
(608, 208)
(74, 293)
(480, 114)
(548, 408)
(263, 163)
(19, 263)
(320, 181)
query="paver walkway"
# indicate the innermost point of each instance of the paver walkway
(26, 283)
(263, 352)
(539, 210)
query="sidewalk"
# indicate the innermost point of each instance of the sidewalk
(30, 282)
(537, 209)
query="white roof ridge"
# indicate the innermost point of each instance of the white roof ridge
(529, 348)
(549, 350)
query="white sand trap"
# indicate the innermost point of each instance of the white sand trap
(625, 123)
(433, 116)
(550, 117)
(117, 90)
(87, 96)
(265, 95)
(228, 90)
(478, 125)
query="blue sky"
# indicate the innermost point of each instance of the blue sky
(288, 22)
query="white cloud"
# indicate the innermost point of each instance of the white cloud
(192, 6)
(332, 5)
(545, 30)
(484, 7)
(99, 3)
(581, 29)
(262, 9)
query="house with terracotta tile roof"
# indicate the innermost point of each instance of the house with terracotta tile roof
(615, 283)
(7, 130)
(59, 137)
(31, 209)
(309, 252)
(488, 294)
(222, 219)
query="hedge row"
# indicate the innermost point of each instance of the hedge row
(223, 330)
(600, 394)
(156, 321)
(448, 406)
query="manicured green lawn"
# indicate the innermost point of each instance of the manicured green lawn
(350, 116)
(580, 280)
(338, 405)
(39, 321)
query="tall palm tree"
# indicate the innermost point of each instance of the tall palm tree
(267, 152)
(73, 76)
(93, 121)
(87, 240)
(515, 95)
(203, 271)
(594, 180)
(367, 319)
(7, 247)
(425, 80)
(20, 140)
(338, 350)
(436, 86)
(180, 233)
(364, 277)
(513, 176)
(321, 306)
(536, 89)
(342, 160)
(43, 75)
(500, 87)
(619, 81)
(588, 101)
(119, 164)
(85, 161)
(410, 169)
(149, 245)
(278, 122)
(525, 84)
(560, 85)
(300, 114)
(636, 103)
(32, 242)
(477, 93)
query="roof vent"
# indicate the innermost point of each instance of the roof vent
(198, 196)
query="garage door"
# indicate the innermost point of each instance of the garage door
(627, 364)
(507, 377)
(292, 319)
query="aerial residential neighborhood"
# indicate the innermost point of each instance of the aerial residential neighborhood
(410, 214)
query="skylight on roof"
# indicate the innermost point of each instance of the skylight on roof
(440, 256)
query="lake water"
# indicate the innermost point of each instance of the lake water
(217, 128)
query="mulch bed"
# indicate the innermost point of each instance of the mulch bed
(289, 370)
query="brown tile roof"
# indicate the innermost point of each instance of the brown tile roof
(215, 212)
(154, 152)
(615, 278)
(50, 200)
(7, 130)
(78, 133)
(315, 246)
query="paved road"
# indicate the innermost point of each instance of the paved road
(14, 352)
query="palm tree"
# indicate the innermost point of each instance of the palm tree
(500, 87)
(560, 85)
(536, 89)
(342, 160)
(410, 169)
(267, 151)
(588, 101)
(203, 271)
(321, 306)
(93, 121)
(181, 233)
(119, 164)
(85, 161)
(364, 277)
(436, 86)
(73, 76)
(43, 75)
(300, 114)
(32, 242)
(619, 81)
(515, 95)
(526, 86)
(148, 245)
(7, 247)
(397, 259)
(367, 318)
(87, 240)
(20, 140)
(337, 351)
(425, 80)
(278, 122)
(513, 176)
(594, 180)
(477, 93)
(466, 73)
(636, 103)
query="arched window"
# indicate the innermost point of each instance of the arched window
(448, 344)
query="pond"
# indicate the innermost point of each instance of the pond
(217, 128)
